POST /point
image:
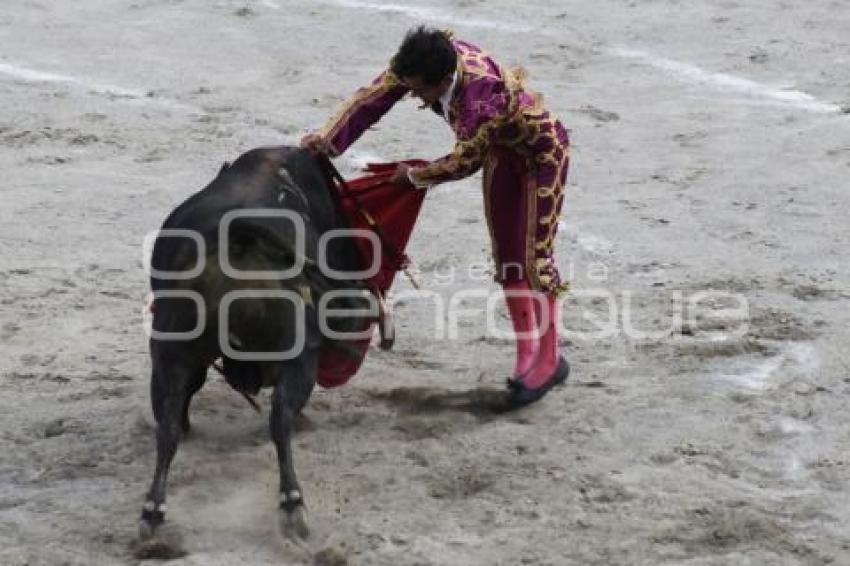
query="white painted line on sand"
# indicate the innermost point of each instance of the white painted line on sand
(432, 14)
(759, 376)
(721, 81)
(731, 83)
(790, 425)
(596, 245)
(119, 176)
(122, 93)
(756, 376)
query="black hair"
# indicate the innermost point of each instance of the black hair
(427, 53)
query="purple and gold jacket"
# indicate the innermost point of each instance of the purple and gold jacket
(489, 107)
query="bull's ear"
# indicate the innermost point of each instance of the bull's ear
(224, 167)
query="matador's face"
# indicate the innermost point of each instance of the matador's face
(427, 93)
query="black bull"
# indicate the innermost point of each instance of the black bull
(283, 179)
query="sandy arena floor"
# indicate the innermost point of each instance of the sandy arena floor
(710, 170)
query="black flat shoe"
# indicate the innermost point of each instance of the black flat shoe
(510, 381)
(520, 395)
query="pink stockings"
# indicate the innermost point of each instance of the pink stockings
(534, 317)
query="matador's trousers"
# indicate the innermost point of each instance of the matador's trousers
(523, 195)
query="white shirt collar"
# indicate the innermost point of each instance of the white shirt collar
(447, 97)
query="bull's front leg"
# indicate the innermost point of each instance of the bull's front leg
(292, 388)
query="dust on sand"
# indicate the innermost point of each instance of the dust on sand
(710, 165)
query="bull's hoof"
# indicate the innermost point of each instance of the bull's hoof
(146, 530)
(293, 524)
(152, 517)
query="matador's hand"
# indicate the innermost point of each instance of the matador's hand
(401, 176)
(315, 144)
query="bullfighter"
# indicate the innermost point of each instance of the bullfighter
(522, 149)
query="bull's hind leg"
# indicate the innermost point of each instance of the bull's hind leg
(294, 383)
(194, 386)
(170, 387)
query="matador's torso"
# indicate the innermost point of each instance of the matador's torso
(489, 107)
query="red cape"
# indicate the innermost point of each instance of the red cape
(393, 211)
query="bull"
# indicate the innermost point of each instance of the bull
(228, 283)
